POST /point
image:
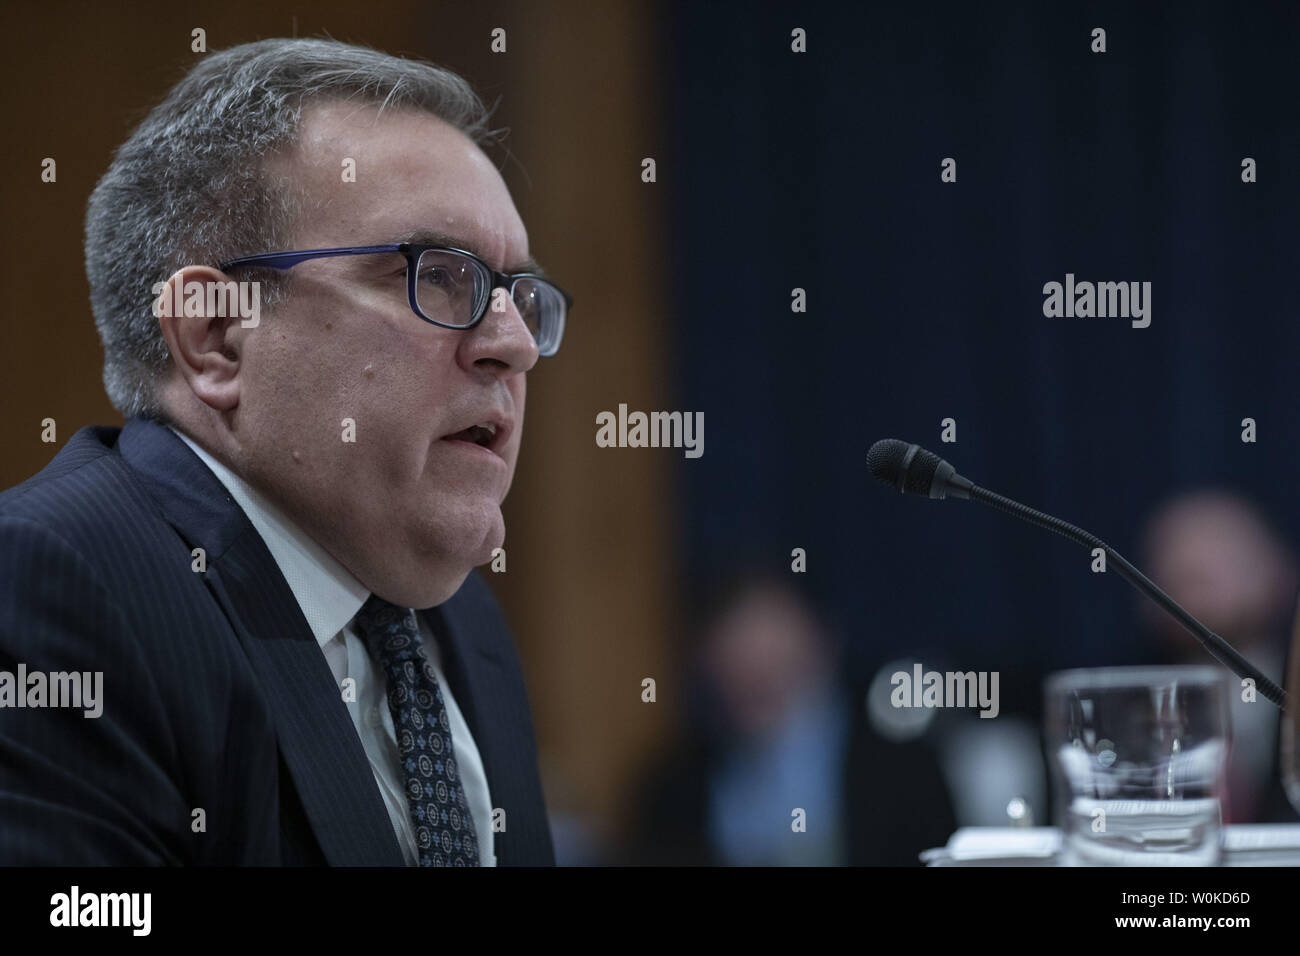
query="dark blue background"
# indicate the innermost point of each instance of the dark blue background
(925, 300)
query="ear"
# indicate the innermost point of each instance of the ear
(205, 325)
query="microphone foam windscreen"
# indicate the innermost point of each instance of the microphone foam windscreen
(888, 460)
(885, 459)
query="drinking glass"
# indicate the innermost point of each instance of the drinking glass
(1138, 758)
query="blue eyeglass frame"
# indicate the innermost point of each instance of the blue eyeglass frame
(412, 251)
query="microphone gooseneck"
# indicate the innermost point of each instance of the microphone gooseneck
(913, 470)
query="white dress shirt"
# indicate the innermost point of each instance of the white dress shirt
(330, 598)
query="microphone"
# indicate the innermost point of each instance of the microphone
(913, 470)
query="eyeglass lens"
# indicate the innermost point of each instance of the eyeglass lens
(452, 289)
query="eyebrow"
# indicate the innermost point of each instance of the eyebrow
(432, 238)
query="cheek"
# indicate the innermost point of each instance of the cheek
(300, 363)
(319, 407)
(519, 392)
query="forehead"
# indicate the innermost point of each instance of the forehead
(374, 177)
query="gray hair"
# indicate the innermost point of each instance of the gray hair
(189, 186)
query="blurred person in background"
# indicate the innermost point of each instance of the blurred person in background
(1215, 554)
(784, 728)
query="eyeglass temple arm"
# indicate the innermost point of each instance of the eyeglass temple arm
(287, 260)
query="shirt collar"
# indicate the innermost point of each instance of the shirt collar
(327, 593)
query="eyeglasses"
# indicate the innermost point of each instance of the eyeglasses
(451, 287)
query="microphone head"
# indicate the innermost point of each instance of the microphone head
(907, 467)
(885, 459)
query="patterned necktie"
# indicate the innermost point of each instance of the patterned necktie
(444, 827)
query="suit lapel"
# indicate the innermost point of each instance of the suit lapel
(321, 748)
(317, 736)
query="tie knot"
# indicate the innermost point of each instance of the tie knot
(390, 632)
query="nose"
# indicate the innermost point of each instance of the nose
(502, 340)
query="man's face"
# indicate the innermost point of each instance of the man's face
(406, 509)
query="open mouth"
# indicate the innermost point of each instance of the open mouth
(482, 435)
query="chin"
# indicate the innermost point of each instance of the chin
(443, 576)
(496, 540)
(492, 536)
(428, 595)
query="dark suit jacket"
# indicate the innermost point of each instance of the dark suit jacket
(216, 694)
